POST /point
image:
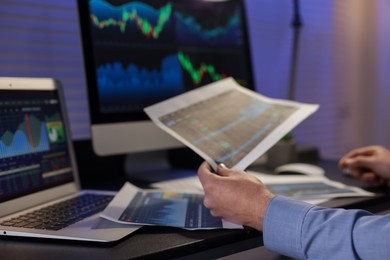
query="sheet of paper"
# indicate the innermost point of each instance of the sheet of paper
(135, 206)
(226, 123)
(309, 188)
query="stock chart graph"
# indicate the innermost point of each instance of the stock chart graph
(197, 74)
(224, 31)
(173, 209)
(139, 83)
(133, 20)
(150, 50)
(203, 68)
(29, 135)
(33, 143)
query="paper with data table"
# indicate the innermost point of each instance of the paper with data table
(226, 123)
(135, 206)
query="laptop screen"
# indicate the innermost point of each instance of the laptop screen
(34, 154)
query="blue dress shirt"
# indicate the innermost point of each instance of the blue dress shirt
(303, 231)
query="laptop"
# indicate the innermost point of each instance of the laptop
(40, 194)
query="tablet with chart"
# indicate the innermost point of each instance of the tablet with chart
(226, 123)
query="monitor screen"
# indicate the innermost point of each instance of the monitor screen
(34, 153)
(137, 53)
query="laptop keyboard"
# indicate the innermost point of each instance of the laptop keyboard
(62, 214)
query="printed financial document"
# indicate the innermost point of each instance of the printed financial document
(135, 206)
(224, 122)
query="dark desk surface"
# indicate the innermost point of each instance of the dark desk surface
(163, 242)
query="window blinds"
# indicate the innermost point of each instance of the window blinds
(40, 38)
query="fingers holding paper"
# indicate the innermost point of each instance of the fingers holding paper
(234, 195)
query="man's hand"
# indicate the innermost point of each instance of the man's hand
(370, 164)
(235, 196)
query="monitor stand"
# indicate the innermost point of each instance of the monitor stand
(156, 166)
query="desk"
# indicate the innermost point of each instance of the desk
(162, 242)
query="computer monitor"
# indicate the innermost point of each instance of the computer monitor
(140, 52)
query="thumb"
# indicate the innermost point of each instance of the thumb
(204, 172)
(222, 170)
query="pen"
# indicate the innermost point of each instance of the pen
(347, 171)
(249, 229)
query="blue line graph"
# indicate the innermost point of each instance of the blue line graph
(121, 83)
(29, 137)
(223, 33)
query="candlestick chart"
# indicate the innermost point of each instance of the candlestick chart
(198, 74)
(134, 19)
(145, 51)
(203, 68)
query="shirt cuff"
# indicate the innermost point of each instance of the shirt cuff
(282, 228)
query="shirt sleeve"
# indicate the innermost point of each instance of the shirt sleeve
(304, 231)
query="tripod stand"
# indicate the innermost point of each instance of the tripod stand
(296, 25)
